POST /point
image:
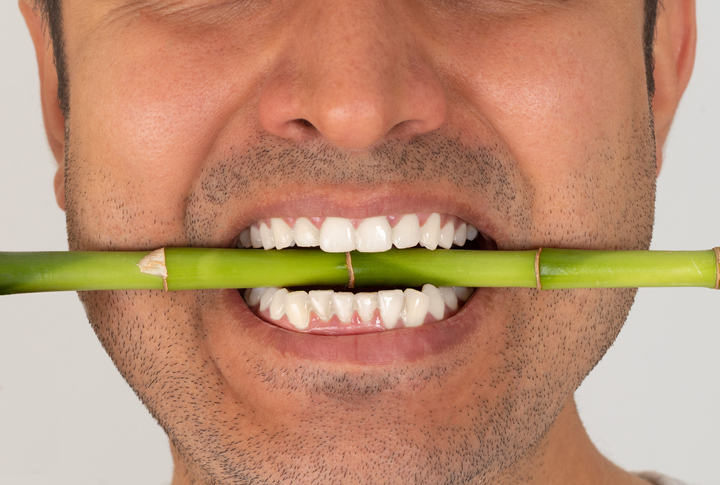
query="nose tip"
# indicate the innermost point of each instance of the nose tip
(360, 123)
(356, 116)
(352, 85)
(352, 124)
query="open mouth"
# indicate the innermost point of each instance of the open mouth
(345, 311)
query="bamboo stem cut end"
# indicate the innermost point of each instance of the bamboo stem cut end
(154, 264)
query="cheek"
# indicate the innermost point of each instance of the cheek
(554, 104)
(147, 120)
(571, 108)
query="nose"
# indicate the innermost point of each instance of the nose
(354, 73)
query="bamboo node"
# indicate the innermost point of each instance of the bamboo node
(717, 268)
(154, 264)
(351, 272)
(537, 269)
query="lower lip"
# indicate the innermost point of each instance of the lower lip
(388, 347)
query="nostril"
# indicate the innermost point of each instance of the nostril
(303, 123)
(301, 129)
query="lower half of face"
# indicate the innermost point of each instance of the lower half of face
(321, 384)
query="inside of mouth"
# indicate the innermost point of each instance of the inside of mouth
(344, 311)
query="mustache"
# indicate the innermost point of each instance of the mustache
(432, 158)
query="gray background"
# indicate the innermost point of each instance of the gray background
(67, 417)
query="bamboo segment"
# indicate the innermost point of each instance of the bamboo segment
(445, 267)
(627, 269)
(196, 268)
(73, 271)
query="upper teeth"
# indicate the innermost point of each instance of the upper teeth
(374, 234)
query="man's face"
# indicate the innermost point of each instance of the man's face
(192, 120)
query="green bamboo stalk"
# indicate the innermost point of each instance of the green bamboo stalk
(195, 268)
(198, 269)
(627, 269)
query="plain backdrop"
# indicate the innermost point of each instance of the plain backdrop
(67, 416)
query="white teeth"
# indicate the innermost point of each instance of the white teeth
(449, 297)
(460, 234)
(343, 305)
(282, 233)
(411, 306)
(430, 231)
(391, 305)
(306, 234)
(245, 240)
(374, 235)
(463, 293)
(277, 304)
(365, 304)
(447, 233)
(297, 309)
(266, 234)
(255, 238)
(472, 233)
(436, 304)
(406, 232)
(253, 296)
(415, 307)
(321, 304)
(267, 297)
(337, 235)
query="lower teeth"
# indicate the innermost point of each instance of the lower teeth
(339, 312)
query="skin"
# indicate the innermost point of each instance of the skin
(191, 120)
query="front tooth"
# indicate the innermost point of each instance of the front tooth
(282, 233)
(337, 235)
(255, 238)
(366, 303)
(267, 297)
(245, 240)
(430, 231)
(321, 304)
(447, 233)
(415, 307)
(253, 296)
(343, 305)
(449, 297)
(472, 233)
(374, 235)
(277, 304)
(297, 309)
(460, 234)
(391, 305)
(306, 234)
(436, 305)
(406, 232)
(463, 293)
(266, 236)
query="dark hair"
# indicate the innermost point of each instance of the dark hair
(52, 13)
